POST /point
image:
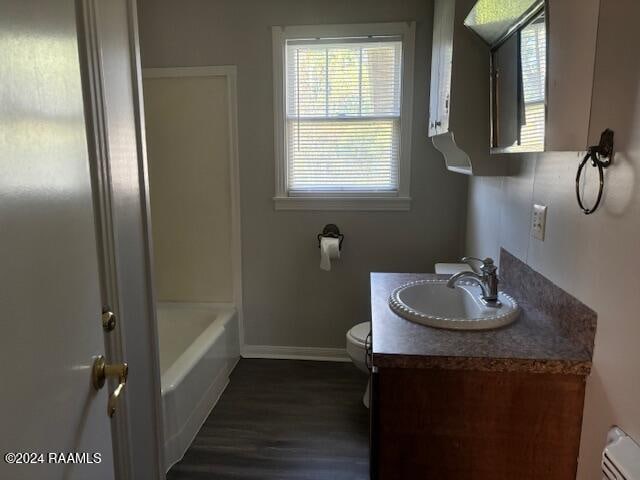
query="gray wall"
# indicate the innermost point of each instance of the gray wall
(596, 257)
(287, 299)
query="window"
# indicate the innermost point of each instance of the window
(343, 116)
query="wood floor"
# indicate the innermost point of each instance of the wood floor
(284, 419)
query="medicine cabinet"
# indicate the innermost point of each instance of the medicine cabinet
(511, 76)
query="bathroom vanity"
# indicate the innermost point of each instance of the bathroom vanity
(496, 404)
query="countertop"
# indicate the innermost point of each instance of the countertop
(535, 342)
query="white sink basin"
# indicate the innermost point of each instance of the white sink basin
(432, 303)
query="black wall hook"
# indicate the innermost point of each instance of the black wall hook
(601, 156)
(331, 231)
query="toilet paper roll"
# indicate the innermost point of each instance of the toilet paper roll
(329, 250)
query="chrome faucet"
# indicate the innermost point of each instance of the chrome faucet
(486, 277)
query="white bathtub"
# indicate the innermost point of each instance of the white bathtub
(198, 349)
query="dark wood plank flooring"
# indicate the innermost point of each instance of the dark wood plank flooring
(284, 419)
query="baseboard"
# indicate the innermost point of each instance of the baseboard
(295, 353)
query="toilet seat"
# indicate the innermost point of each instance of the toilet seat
(359, 333)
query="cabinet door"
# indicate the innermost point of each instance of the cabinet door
(572, 36)
(465, 424)
(374, 415)
(441, 60)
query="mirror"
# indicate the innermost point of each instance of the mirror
(543, 60)
(518, 87)
(516, 32)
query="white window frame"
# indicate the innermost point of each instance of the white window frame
(399, 200)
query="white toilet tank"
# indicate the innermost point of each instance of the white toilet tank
(452, 268)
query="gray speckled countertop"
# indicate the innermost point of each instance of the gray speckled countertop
(553, 334)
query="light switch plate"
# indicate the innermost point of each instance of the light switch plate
(539, 221)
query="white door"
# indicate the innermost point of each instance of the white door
(50, 305)
(111, 61)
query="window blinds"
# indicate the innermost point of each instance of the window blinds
(343, 115)
(533, 49)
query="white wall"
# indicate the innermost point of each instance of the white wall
(187, 127)
(288, 301)
(596, 257)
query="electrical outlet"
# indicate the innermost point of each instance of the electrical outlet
(539, 221)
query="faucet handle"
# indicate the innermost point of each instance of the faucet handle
(488, 265)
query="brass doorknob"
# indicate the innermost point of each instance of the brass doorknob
(103, 370)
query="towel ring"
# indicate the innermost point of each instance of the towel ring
(596, 154)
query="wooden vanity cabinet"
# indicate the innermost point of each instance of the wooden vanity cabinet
(445, 424)
(499, 404)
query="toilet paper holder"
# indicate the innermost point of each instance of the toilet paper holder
(331, 231)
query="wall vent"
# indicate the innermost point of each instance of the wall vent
(621, 457)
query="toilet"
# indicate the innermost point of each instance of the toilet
(357, 335)
(357, 350)
(452, 268)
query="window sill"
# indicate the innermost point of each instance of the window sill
(343, 203)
